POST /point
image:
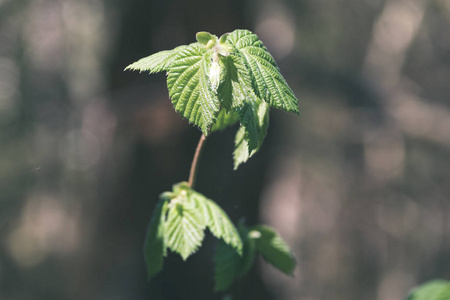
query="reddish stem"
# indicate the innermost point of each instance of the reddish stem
(193, 171)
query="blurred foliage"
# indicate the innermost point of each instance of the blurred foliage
(358, 185)
(433, 290)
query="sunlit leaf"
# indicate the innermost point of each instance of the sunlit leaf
(268, 82)
(218, 222)
(189, 214)
(184, 229)
(158, 62)
(190, 88)
(206, 39)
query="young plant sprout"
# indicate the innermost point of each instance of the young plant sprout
(216, 83)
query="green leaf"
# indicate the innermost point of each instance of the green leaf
(274, 249)
(249, 252)
(223, 38)
(154, 246)
(190, 87)
(184, 228)
(218, 222)
(240, 153)
(189, 213)
(180, 188)
(254, 116)
(236, 86)
(207, 39)
(224, 120)
(226, 265)
(433, 290)
(229, 265)
(250, 136)
(158, 62)
(268, 82)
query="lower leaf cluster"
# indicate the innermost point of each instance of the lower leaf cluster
(179, 222)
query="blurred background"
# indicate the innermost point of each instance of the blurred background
(358, 185)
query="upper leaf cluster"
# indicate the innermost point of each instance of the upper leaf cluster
(178, 224)
(217, 81)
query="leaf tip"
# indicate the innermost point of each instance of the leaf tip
(223, 38)
(207, 39)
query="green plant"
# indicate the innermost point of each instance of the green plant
(432, 290)
(215, 83)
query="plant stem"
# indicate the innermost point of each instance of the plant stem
(193, 171)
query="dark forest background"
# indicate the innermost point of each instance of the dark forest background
(359, 185)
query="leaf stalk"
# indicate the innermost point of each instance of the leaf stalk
(198, 151)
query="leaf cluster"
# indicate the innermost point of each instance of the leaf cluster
(216, 82)
(179, 222)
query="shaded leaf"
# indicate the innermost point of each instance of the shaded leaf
(274, 249)
(236, 86)
(229, 265)
(249, 251)
(226, 265)
(154, 246)
(250, 136)
(224, 120)
(254, 117)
